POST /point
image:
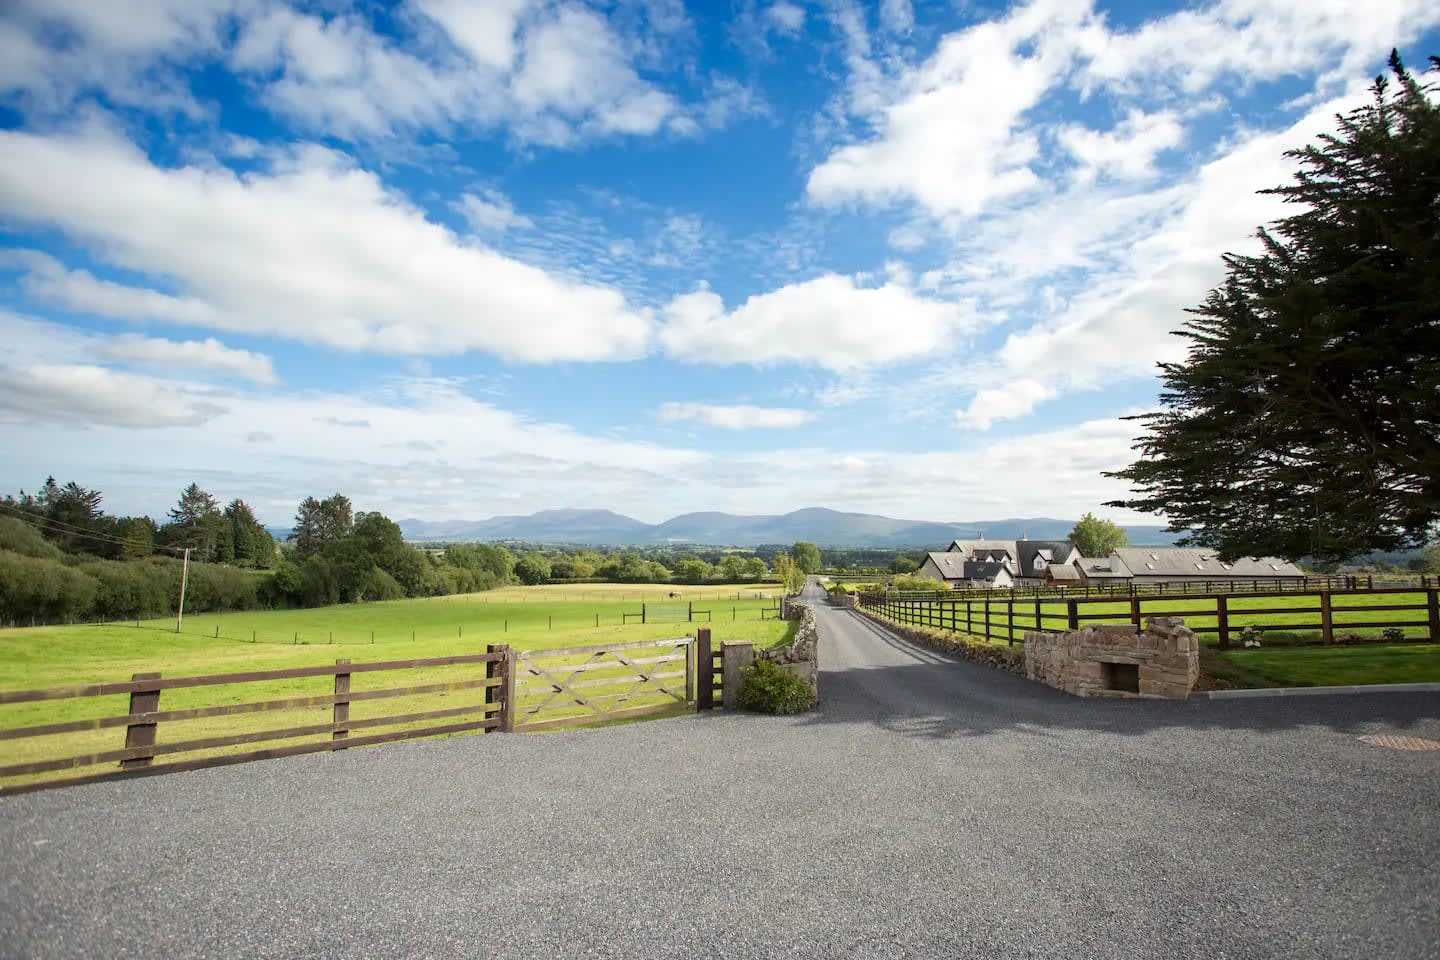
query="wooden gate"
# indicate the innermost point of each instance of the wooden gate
(607, 682)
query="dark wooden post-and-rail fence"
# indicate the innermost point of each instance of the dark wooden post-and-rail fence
(1006, 615)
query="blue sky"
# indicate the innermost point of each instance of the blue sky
(458, 259)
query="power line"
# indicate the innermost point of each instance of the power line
(60, 527)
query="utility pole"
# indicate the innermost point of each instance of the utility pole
(184, 576)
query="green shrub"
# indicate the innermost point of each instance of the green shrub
(1393, 635)
(767, 687)
(908, 583)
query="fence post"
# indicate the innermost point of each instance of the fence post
(1135, 611)
(704, 670)
(341, 712)
(502, 669)
(1038, 627)
(1010, 620)
(1434, 600)
(1072, 615)
(642, 612)
(141, 734)
(1222, 621)
(1327, 615)
(987, 617)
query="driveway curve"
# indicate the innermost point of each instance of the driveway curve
(929, 808)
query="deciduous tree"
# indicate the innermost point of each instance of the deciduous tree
(806, 556)
(1095, 537)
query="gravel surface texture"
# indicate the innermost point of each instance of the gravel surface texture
(929, 808)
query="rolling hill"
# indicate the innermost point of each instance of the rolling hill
(828, 528)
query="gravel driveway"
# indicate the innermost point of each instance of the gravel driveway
(930, 808)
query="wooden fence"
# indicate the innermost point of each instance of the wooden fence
(675, 612)
(521, 690)
(998, 615)
(1178, 588)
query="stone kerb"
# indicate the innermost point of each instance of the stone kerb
(1112, 660)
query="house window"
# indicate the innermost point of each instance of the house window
(1149, 566)
(1199, 565)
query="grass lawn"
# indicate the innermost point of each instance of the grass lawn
(527, 618)
(1329, 666)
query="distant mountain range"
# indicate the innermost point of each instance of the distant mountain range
(827, 528)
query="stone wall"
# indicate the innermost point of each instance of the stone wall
(1108, 660)
(801, 657)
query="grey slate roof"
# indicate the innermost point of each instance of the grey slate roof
(950, 565)
(979, 570)
(1200, 562)
(1063, 571)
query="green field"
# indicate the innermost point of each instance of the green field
(1332, 666)
(527, 618)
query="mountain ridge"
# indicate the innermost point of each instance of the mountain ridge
(819, 525)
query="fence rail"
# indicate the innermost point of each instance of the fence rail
(1180, 588)
(1002, 616)
(529, 689)
(142, 720)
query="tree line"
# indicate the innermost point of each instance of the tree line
(63, 558)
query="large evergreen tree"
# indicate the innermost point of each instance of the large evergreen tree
(320, 522)
(196, 522)
(1306, 419)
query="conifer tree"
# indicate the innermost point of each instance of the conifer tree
(1306, 419)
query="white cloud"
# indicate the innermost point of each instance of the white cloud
(552, 73)
(32, 341)
(314, 249)
(490, 211)
(486, 31)
(735, 417)
(54, 51)
(97, 396)
(48, 279)
(573, 69)
(785, 17)
(207, 354)
(897, 15)
(1015, 399)
(1256, 40)
(828, 320)
(1126, 152)
(960, 135)
(950, 136)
